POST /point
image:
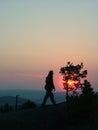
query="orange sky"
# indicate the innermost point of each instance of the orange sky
(38, 36)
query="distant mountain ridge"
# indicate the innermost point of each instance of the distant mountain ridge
(9, 96)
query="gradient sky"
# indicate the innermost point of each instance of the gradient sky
(39, 35)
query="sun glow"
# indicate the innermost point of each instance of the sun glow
(71, 82)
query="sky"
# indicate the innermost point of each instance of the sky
(41, 35)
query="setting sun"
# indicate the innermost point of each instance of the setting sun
(71, 82)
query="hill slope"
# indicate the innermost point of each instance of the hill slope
(47, 118)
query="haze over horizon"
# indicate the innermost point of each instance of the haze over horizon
(39, 35)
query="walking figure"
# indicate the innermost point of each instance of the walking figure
(49, 86)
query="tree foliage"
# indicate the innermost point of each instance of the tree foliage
(72, 75)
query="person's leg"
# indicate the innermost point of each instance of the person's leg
(52, 98)
(45, 99)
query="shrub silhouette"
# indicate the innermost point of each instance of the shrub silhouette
(28, 104)
(88, 98)
(83, 107)
(6, 108)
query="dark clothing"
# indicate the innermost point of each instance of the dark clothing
(48, 94)
(49, 86)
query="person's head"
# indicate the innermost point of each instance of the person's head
(50, 72)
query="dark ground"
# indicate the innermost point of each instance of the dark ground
(32, 119)
(47, 118)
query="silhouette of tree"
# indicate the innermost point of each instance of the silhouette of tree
(86, 88)
(88, 97)
(72, 80)
(72, 77)
(79, 107)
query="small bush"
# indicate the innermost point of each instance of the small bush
(6, 108)
(28, 104)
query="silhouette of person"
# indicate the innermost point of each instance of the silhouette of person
(49, 86)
